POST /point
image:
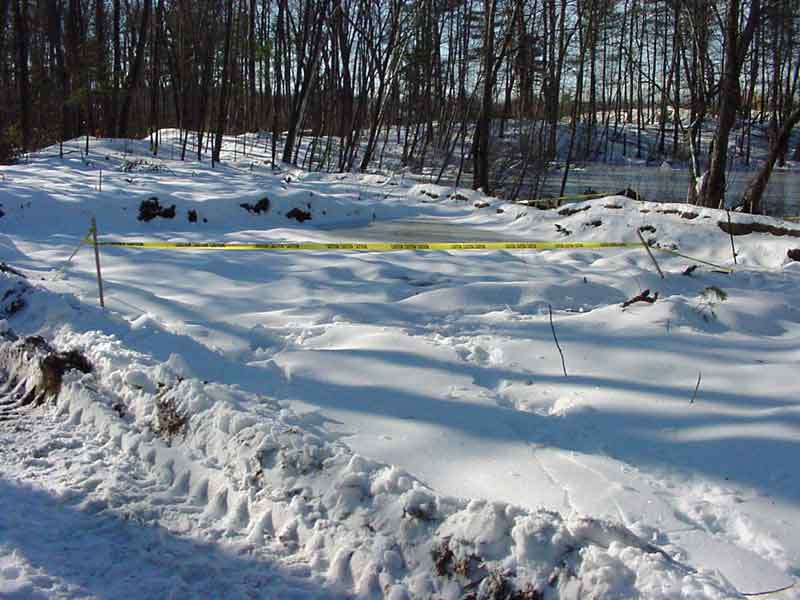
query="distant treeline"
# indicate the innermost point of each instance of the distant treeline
(442, 77)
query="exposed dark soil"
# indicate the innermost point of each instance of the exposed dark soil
(151, 208)
(568, 212)
(748, 228)
(262, 206)
(299, 215)
(629, 193)
(23, 381)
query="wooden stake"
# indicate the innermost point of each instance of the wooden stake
(97, 262)
(649, 253)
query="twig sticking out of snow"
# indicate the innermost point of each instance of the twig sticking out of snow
(730, 231)
(650, 253)
(553, 329)
(697, 387)
(775, 591)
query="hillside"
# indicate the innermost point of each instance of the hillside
(397, 424)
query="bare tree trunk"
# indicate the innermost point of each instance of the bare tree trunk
(156, 77)
(480, 142)
(100, 61)
(490, 67)
(752, 198)
(252, 104)
(736, 45)
(111, 124)
(222, 109)
(307, 70)
(23, 75)
(135, 73)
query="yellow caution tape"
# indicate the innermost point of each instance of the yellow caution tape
(366, 246)
(87, 240)
(387, 246)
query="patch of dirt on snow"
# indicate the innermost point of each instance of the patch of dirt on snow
(13, 300)
(568, 211)
(748, 228)
(299, 215)
(151, 208)
(262, 206)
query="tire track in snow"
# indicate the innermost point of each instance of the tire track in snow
(78, 522)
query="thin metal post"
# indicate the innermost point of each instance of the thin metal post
(97, 262)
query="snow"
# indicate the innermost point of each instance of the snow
(394, 424)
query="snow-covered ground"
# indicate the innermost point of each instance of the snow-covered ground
(390, 424)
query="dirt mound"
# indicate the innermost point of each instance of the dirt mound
(32, 371)
(262, 206)
(748, 228)
(299, 215)
(151, 208)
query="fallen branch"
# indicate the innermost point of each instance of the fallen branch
(6, 269)
(643, 297)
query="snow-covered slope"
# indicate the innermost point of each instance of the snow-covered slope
(393, 424)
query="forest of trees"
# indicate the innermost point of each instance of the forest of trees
(442, 79)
